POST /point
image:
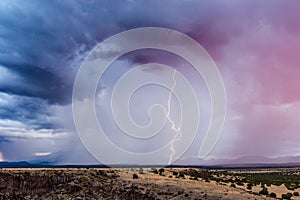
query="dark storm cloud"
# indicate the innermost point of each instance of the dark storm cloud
(45, 42)
(36, 82)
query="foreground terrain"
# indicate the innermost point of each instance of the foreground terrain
(146, 183)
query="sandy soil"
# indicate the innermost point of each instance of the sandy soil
(197, 188)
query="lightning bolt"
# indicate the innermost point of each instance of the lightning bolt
(173, 125)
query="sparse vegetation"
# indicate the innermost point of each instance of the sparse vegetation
(290, 180)
(253, 182)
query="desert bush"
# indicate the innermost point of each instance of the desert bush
(296, 193)
(175, 173)
(180, 192)
(289, 186)
(273, 195)
(249, 186)
(240, 183)
(135, 176)
(141, 171)
(193, 178)
(181, 175)
(232, 185)
(154, 170)
(286, 196)
(264, 191)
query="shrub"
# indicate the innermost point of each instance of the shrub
(135, 176)
(249, 186)
(232, 185)
(181, 175)
(296, 193)
(273, 195)
(287, 196)
(161, 171)
(240, 183)
(288, 186)
(180, 192)
(264, 191)
(153, 170)
(141, 171)
(175, 173)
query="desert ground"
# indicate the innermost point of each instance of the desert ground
(149, 183)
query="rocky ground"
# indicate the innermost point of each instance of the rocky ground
(114, 184)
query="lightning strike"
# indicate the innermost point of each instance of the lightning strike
(173, 125)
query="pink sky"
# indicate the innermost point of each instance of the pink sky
(256, 45)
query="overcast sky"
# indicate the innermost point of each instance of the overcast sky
(255, 44)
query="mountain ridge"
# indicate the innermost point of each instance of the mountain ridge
(244, 161)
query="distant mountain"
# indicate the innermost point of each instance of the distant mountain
(243, 161)
(43, 164)
(21, 164)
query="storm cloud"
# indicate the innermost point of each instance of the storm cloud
(255, 44)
